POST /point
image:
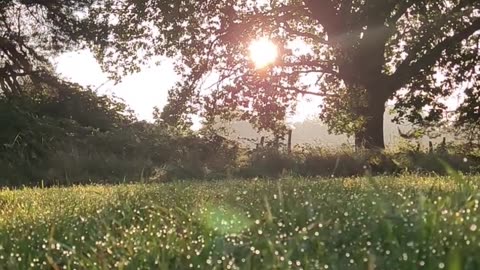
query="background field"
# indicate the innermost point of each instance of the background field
(407, 222)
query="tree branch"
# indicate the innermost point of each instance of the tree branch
(432, 28)
(404, 6)
(324, 12)
(409, 69)
(311, 36)
(318, 65)
(299, 91)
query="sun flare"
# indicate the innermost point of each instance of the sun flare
(263, 52)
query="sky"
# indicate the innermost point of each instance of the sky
(141, 91)
(149, 88)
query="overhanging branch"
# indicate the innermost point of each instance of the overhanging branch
(315, 66)
(409, 69)
(402, 7)
(306, 35)
(325, 13)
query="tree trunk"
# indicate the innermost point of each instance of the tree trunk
(371, 136)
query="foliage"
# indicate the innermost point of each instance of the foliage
(34, 31)
(73, 136)
(266, 162)
(199, 156)
(313, 161)
(405, 222)
(468, 123)
(45, 134)
(471, 134)
(356, 56)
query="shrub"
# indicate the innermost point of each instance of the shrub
(63, 148)
(312, 161)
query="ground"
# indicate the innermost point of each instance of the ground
(407, 222)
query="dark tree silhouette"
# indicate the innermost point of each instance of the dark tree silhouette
(34, 31)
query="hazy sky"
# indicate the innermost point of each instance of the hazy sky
(142, 91)
(149, 88)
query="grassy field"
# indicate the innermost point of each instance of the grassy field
(407, 222)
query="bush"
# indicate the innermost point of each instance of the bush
(266, 162)
(55, 140)
(311, 161)
(62, 148)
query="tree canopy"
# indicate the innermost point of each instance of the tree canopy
(32, 32)
(355, 55)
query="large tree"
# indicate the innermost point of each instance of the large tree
(357, 55)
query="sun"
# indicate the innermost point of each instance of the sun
(263, 52)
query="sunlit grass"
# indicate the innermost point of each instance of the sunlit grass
(407, 222)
